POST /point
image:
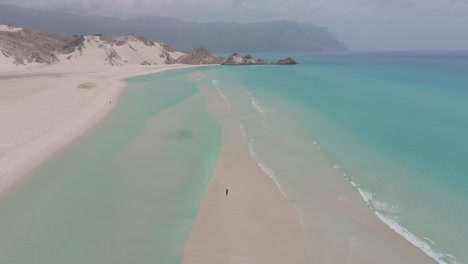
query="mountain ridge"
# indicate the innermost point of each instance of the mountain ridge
(218, 37)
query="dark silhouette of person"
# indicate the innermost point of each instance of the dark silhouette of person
(227, 192)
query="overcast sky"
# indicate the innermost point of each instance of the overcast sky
(361, 24)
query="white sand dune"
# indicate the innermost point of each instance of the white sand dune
(7, 64)
(9, 28)
(130, 50)
(22, 49)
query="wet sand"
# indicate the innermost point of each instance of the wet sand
(322, 220)
(254, 223)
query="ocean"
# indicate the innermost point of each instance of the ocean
(382, 133)
(394, 125)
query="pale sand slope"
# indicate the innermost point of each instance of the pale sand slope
(254, 223)
(43, 109)
(133, 51)
(7, 63)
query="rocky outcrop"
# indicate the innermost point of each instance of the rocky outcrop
(200, 56)
(30, 46)
(73, 45)
(121, 40)
(287, 61)
(236, 59)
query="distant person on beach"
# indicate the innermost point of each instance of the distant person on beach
(227, 192)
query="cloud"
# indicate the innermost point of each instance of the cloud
(362, 24)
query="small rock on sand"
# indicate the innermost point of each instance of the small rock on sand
(87, 85)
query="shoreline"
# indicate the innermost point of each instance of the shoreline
(243, 224)
(364, 237)
(254, 222)
(39, 124)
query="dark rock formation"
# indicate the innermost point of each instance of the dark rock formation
(236, 59)
(120, 40)
(200, 56)
(169, 59)
(33, 46)
(287, 61)
(113, 58)
(78, 43)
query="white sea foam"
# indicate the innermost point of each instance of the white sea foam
(366, 195)
(420, 243)
(265, 168)
(429, 240)
(318, 147)
(256, 105)
(386, 213)
(242, 129)
(380, 207)
(224, 97)
(384, 206)
(214, 82)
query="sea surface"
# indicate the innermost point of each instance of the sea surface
(395, 126)
(390, 127)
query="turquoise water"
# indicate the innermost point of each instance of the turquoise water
(394, 124)
(127, 192)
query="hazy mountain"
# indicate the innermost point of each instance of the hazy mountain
(274, 36)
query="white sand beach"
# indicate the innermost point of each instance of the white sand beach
(254, 223)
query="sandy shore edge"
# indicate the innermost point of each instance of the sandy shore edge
(47, 108)
(254, 223)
